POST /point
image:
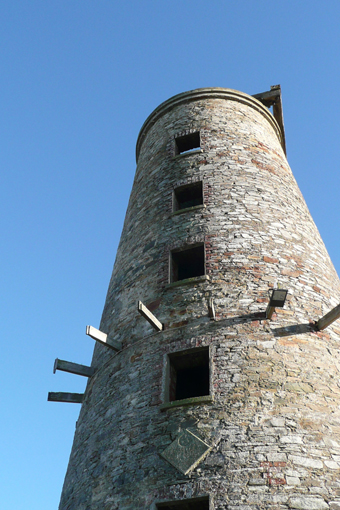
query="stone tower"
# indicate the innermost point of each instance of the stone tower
(214, 402)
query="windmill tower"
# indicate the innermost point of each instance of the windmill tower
(205, 392)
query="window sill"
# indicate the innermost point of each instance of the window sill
(188, 281)
(188, 153)
(193, 401)
(188, 209)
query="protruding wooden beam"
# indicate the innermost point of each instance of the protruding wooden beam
(277, 299)
(327, 319)
(155, 323)
(102, 338)
(61, 396)
(269, 312)
(269, 97)
(72, 368)
(211, 309)
(273, 98)
(278, 115)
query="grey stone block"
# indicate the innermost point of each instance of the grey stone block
(186, 452)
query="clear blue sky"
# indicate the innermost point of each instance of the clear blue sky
(77, 80)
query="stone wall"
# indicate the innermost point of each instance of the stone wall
(273, 420)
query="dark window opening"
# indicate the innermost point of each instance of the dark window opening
(188, 196)
(187, 263)
(187, 504)
(188, 143)
(189, 374)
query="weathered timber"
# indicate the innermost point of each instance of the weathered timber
(145, 312)
(211, 309)
(269, 312)
(61, 396)
(273, 98)
(327, 319)
(72, 368)
(268, 98)
(103, 338)
(278, 115)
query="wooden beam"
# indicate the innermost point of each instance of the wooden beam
(268, 98)
(211, 309)
(278, 115)
(103, 338)
(269, 312)
(61, 396)
(273, 98)
(145, 312)
(72, 368)
(327, 319)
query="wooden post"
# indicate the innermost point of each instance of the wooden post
(273, 98)
(145, 312)
(211, 309)
(269, 312)
(72, 368)
(102, 338)
(60, 396)
(327, 319)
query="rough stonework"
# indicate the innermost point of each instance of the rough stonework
(272, 415)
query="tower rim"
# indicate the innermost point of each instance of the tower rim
(204, 93)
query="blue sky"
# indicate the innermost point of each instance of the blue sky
(77, 80)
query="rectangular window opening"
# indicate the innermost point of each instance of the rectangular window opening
(187, 263)
(187, 143)
(188, 196)
(186, 504)
(189, 374)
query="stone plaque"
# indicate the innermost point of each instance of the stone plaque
(186, 452)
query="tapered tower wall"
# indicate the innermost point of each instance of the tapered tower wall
(272, 415)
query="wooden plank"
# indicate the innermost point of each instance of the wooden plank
(278, 115)
(211, 309)
(327, 319)
(269, 97)
(102, 338)
(269, 312)
(145, 312)
(72, 368)
(61, 396)
(96, 334)
(273, 98)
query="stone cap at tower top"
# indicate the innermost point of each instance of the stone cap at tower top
(206, 93)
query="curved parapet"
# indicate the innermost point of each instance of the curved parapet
(201, 94)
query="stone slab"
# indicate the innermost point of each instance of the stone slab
(186, 452)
